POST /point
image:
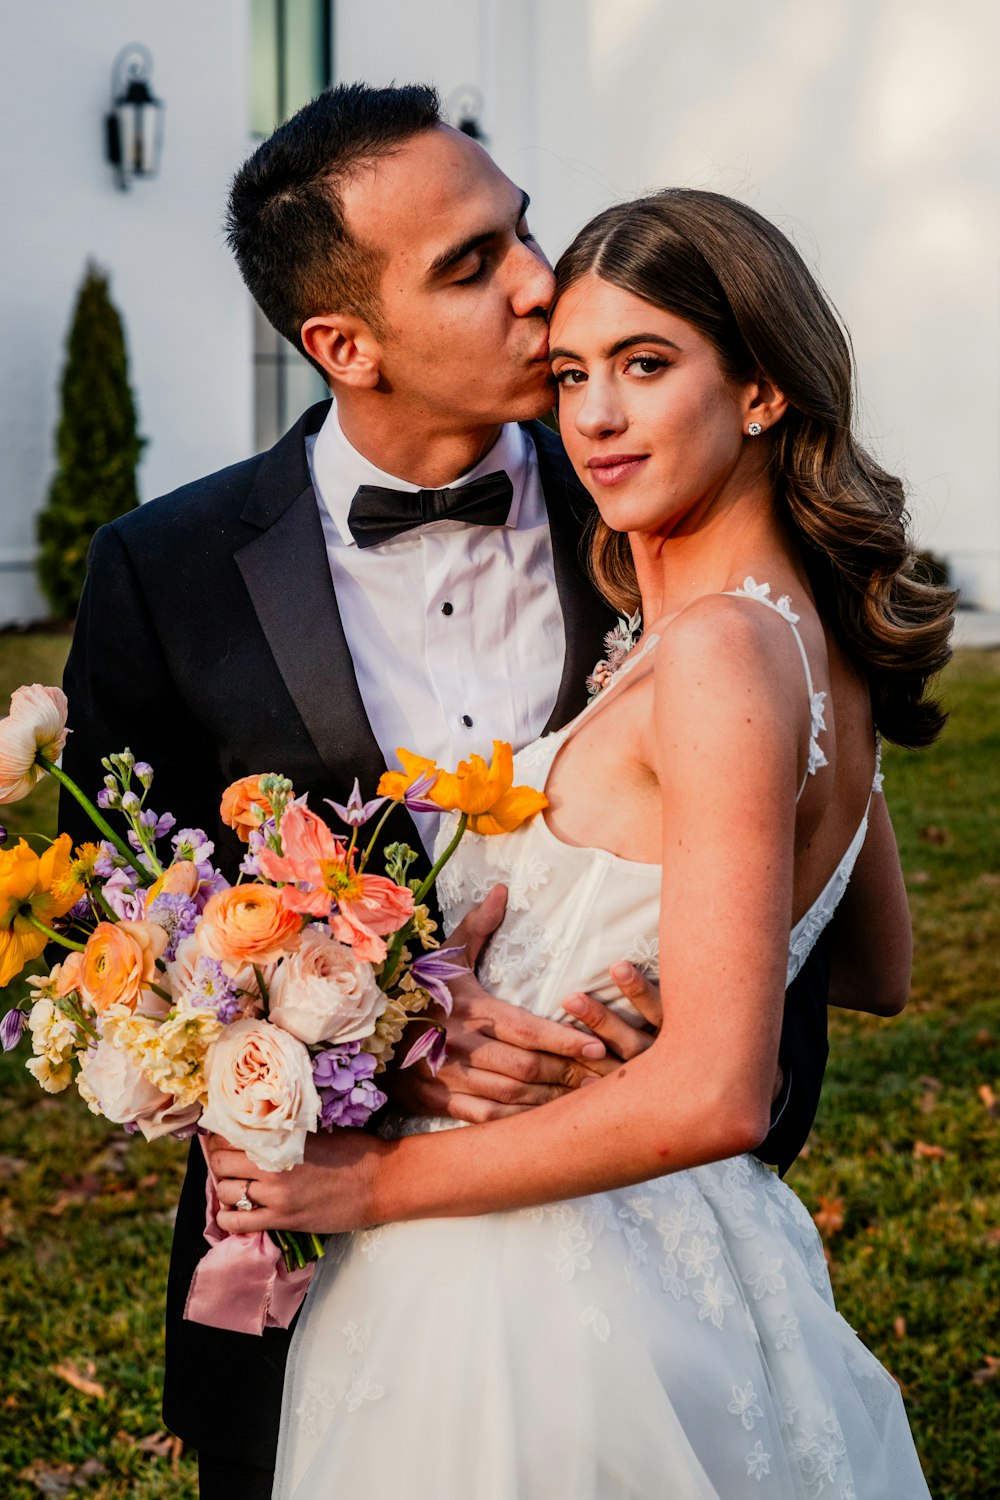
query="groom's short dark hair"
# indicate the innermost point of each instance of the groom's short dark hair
(285, 220)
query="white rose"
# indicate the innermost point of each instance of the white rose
(261, 1094)
(115, 1087)
(324, 993)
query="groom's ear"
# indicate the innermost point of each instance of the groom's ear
(346, 348)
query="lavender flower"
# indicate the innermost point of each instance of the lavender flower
(130, 803)
(104, 864)
(144, 771)
(108, 797)
(344, 1077)
(355, 813)
(433, 970)
(429, 1044)
(177, 915)
(80, 911)
(11, 1027)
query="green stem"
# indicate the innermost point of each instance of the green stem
(265, 997)
(374, 838)
(163, 994)
(436, 869)
(52, 935)
(95, 816)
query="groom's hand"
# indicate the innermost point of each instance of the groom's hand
(500, 1059)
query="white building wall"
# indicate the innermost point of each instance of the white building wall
(867, 131)
(186, 315)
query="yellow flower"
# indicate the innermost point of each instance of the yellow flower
(32, 886)
(175, 1058)
(53, 1077)
(424, 927)
(388, 1029)
(487, 793)
(395, 784)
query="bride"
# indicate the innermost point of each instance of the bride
(611, 1296)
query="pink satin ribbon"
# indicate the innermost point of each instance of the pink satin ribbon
(242, 1283)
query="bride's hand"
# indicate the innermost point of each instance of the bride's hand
(329, 1193)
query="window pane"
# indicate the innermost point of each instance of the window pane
(305, 52)
(263, 66)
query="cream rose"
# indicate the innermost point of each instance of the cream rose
(114, 1087)
(324, 993)
(261, 1094)
(36, 725)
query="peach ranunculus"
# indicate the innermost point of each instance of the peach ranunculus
(119, 959)
(322, 880)
(35, 726)
(261, 1094)
(115, 1087)
(244, 806)
(487, 793)
(179, 879)
(324, 992)
(32, 886)
(248, 924)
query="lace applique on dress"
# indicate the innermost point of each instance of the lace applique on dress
(751, 589)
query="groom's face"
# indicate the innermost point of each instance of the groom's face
(465, 287)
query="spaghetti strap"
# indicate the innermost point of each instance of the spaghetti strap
(761, 592)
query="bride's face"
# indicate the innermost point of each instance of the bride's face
(654, 428)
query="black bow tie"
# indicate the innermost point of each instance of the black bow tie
(377, 514)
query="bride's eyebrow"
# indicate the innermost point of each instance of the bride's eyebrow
(622, 344)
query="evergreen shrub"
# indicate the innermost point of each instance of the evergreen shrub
(97, 445)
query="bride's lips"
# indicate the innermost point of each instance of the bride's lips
(612, 468)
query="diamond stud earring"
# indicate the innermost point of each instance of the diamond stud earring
(754, 430)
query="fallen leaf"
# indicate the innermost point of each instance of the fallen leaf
(928, 1098)
(11, 1167)
(11, 1403)
(989, 1100)
(899, 1327)
(147, 1182)
(80, 1380)
(929, 1153)
(917, 877)
(992, 1237)
(933, 833)
(983, 1037)
(829, 1217)
(989, 1369)
(162, 1445)
(112, 1158)
(67, 1199)
(989, 877)
(57, 1480)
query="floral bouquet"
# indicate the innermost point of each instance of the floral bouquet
(262, 1010)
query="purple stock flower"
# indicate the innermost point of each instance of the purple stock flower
(144, 772)
(414, 798)
(192, 843)
(356, 813)
(159, 824)
(105, 800)
(215, 990)
(3, 834)
(429, 1044)
(11, 1027)
(81, 910)
(104, 865)
(344, 1077)
(177, 915)
(119, 893)
(433, 970)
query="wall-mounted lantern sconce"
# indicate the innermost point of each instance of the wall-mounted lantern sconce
(466, 108)
(134, 127)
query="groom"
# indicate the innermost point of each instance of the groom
(402, 568)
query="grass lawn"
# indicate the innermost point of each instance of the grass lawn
(901, 1173)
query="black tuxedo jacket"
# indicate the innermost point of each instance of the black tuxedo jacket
(210, 642)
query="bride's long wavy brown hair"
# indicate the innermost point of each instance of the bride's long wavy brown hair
(740, 282)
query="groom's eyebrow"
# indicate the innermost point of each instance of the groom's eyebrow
(622, 344)
(456, 253)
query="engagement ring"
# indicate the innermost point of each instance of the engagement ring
(246, 1203)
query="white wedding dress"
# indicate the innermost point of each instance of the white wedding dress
(677, 1339)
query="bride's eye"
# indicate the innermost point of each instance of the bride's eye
(645, 364)
(570, 376)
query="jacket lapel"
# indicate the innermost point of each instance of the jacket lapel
(587, 617)
(287, 576)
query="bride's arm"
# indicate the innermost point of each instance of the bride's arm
(723, 746)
